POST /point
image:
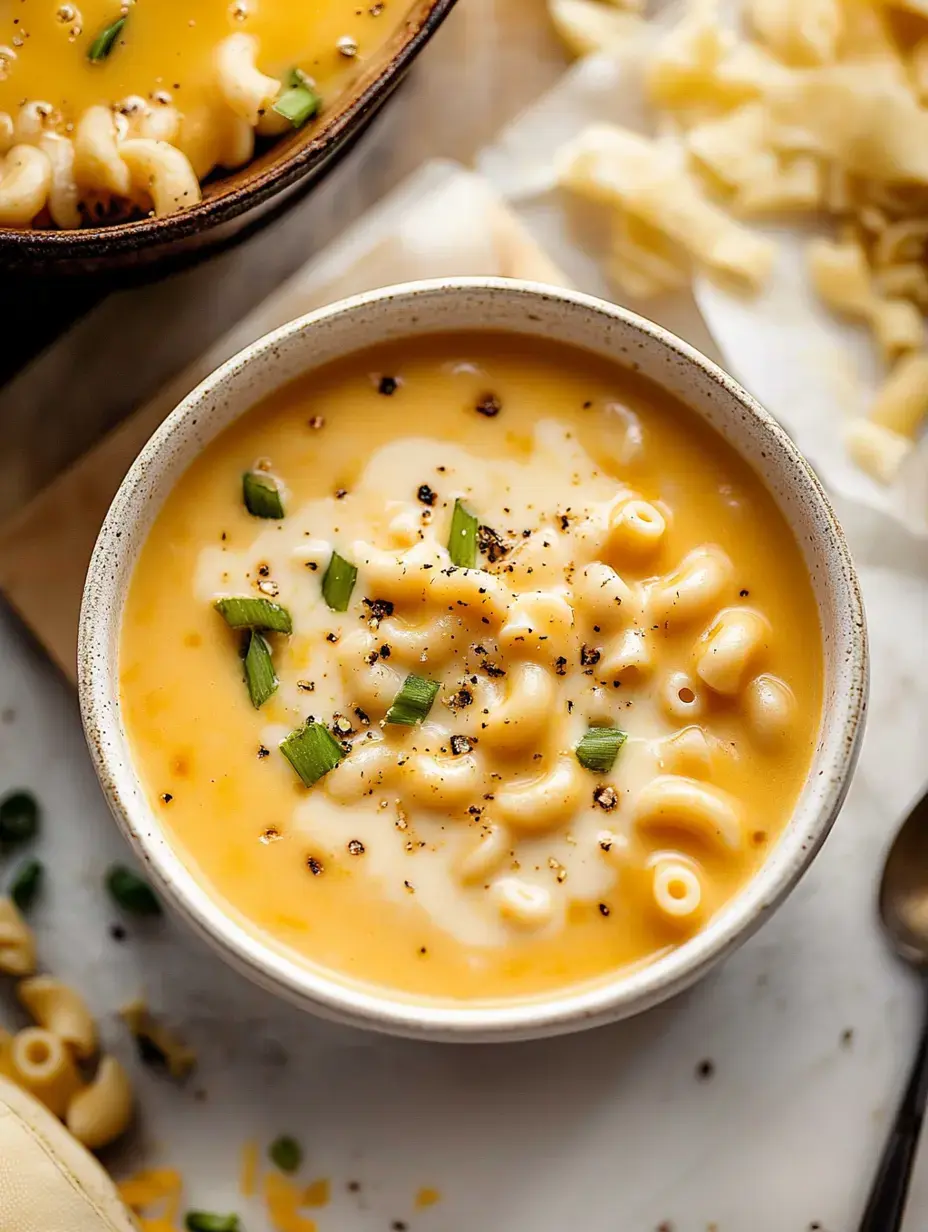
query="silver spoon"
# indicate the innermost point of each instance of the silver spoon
(903, 907)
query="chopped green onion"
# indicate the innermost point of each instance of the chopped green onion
(261, 493)
(286, 1153)
(19, 818)
(105, 41)
(259, 670)
(338, 583)
(462, 542)
(248, 613)
(203, 1221)
(599, 748)
(413, 702)
(26, 883)
(131, 892)
(312, 751)
(300, 102)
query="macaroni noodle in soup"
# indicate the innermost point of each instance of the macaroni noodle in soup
(110, 108)
(472, 668)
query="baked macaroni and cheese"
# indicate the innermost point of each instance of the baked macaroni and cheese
(472, 667)
(114, 108)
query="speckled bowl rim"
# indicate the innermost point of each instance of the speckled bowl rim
(173, 447)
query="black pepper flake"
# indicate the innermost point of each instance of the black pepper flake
(744, 593)
(362, 717)
(589, 656)
(606, 844)
(587, 405)
(117, 932)
(340, 493)
(606, 797)
(375, 10)
(560, 666)
(305, 686)
(847, 1037)
(388, 384)
(264, 570)
(355, 847)
(342, 726)
(384, 651)
(705, 1070)
(603, 908)
(492, 670)
(315, 866)
(331, 637)
(425, 494)
(263, 752)
(379, 608)
(491, 544)
(565, 521)
(354, 1186)
(462, 698)
(312, 566)
(459, 745)
(409, 886)
(488, 405)
(166, 797)
(317, 422)
(526, 534)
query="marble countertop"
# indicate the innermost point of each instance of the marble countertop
(809, 1028)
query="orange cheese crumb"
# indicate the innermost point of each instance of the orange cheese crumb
(318, 1193)
(248, 1176)
(283, 1200)
(147, 1189)
(427, 1197)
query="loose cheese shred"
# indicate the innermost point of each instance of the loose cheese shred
(284, 1199)
(248, 1176)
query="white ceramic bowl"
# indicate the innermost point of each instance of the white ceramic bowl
(537, 311)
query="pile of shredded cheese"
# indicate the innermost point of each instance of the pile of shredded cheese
(790, 108)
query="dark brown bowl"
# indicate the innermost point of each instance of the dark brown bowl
(237, 202)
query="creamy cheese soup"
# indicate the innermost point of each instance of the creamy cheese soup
(109, 107)
(472, 668)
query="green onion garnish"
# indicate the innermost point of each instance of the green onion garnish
(312, 751)
(105, 41)
(599, 748)
(26, 883)
(462, 542)
(204, 1221)
(338, 583)
(301, 101)
(261, 493)
(131, 892)
(19, 818)
(413, 702)
(259, 670)
(248, 613)
(286, 1153)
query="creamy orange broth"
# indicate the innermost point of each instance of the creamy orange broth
(575, 445)
(168, 46)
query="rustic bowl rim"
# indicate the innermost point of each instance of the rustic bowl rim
(571, 1009)
(112, 239)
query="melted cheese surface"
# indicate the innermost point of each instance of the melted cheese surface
(635, 574)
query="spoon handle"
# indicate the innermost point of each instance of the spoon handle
(886, 1204)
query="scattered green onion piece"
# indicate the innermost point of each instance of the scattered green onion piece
(26, 883)
(599, 748)
(204, 1221)
(248, 613)
(338, 583)
(19, 818)
(413, 702)
(105, 41)
(261, 493)
(131, 892)
(462, 542)
(312, 751)
(259, 670)
(286, 1153)
(300, 102)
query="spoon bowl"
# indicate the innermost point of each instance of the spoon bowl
(903, 901)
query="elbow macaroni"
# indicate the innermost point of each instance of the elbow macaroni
(102, 1111)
